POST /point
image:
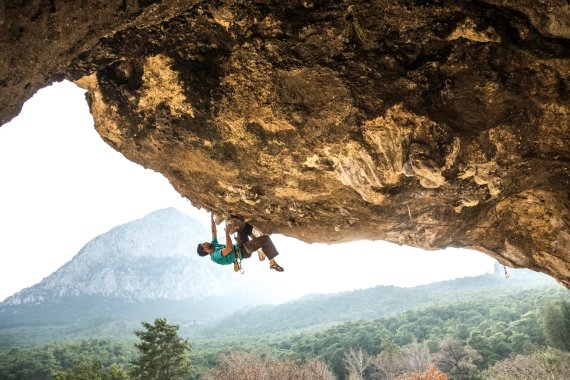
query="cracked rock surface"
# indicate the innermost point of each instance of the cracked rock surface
(426, 123)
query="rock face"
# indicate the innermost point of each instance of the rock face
(426, 123)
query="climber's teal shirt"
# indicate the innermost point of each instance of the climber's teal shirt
(217, 257)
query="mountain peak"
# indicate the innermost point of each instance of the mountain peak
(149, 258)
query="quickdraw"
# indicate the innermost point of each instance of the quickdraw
(237, 262)
(237, 266)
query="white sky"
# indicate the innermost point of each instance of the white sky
(61, 186)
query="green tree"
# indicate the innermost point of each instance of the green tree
(556, 324)
(91, 371)
(481, 344)
(500, 345)
(521, 342)
(163, 354)
(529, 324)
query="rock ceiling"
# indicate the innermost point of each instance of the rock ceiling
(426, 123)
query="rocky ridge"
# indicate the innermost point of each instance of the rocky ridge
(147, 259)
(426, 123)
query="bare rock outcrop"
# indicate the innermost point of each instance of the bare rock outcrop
(426, 123)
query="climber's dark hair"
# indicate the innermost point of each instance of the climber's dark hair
(201, 251)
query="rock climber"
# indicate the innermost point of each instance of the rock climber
(230, 253)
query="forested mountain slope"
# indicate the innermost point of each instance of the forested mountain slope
(366, 304)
